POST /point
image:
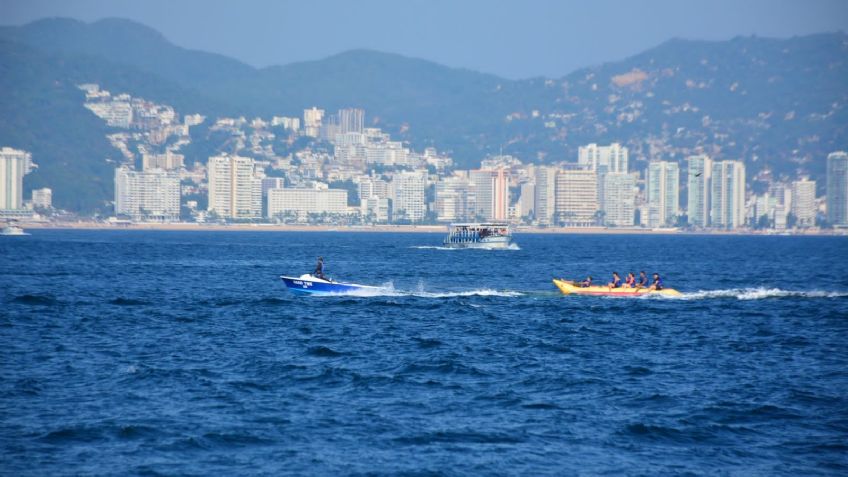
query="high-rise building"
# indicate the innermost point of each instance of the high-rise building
(492, 193)
(351, 120)
(42, 198)
(603, 159)
(455, 199)
(373, 187)
(312, 121)
(388, 153)
(544, 205)
(698, 185)
(303, 202)
(727, 194)
(526, 202)
(152, 195)
(329, 127)
(804, 202)
(837, 188)
(619, 199)
(269, 183)
(14, 165)
(663, 190)
(409, 191)
(234, 190)
(377, 209)
(576, 198)
(168, 161)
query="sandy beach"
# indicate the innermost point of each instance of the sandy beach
(439, 229)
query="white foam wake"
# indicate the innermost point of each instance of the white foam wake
(390, 291)
(760, 293)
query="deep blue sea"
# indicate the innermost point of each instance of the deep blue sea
(182, 353)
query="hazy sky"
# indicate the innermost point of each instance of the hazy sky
(515, 39)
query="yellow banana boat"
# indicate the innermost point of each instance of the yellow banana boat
(569, 288)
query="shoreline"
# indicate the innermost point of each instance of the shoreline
(442, 229)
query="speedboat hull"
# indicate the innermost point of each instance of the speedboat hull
(569, 288)
(309, 285)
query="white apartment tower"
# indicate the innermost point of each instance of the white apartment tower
(544, 205)
(409, 190)
(152, 195)
(351, 120)
(42, 198)
(377, 209)
(727, 195)
(663, 190)
(455, 199)
(492, 193)
(619, 199)
(312, 121)
(168, 161)
(837, 188)
(234, 190)
(804, 202)
(603, 159)
(14, 165)
(303, 201)
(526, 200)
(373, 187)
(698, 185)
(576, 202)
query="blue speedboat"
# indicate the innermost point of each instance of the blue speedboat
(308, 284)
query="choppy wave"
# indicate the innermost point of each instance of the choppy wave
(758, 293)
(35, 300)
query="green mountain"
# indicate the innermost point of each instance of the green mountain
(42, 111)
(776, 103)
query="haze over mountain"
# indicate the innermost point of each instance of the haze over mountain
(775, 102)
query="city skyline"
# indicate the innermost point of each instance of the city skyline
(597, 188)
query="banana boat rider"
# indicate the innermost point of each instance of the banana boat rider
(616, 281)
(657, 284)
(630, 281)
(643, 280)
(586, 283)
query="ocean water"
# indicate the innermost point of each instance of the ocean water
(181, 353)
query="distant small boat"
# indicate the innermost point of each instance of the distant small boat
(478, 235)
(12, 230)
(569, 288)
(308, 284)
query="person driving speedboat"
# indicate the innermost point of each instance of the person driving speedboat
(319, 269)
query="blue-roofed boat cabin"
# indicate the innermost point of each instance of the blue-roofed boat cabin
(478, 235)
